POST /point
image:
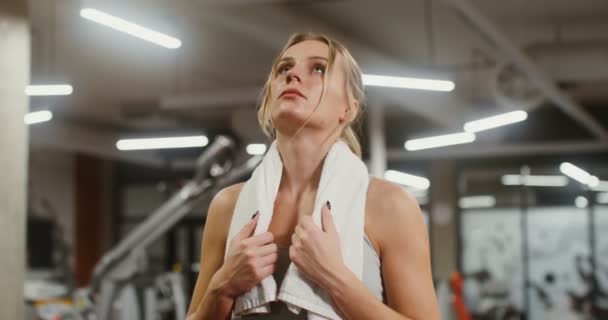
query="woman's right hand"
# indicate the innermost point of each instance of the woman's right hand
(249, 260)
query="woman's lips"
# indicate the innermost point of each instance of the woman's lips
(292, 93)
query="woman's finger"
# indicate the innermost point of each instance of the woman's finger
(267, 260)
(267, 249)
(265, 271)
(261, 239)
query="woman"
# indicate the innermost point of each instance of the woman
(312, 98)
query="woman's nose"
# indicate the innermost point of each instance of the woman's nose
(292, 74)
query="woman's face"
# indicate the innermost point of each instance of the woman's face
(297, 90)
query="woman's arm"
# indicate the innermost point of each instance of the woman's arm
(209, 301)
(403, 243)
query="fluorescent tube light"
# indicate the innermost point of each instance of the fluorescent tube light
(37, 117)
(407, 83)
(407, 179)
(534, 181)
(439, 141)
(581, 202)
(579, 174)
(162, 143)
(49, 90)
(495, 121)
(130, 28)
(477, 202)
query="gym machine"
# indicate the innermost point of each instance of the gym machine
(117, 291)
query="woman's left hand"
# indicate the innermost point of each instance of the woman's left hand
(315, 251)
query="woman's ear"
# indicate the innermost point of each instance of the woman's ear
(355, 109)
(350, 111)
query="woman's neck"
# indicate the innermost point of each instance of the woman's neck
(302, 158)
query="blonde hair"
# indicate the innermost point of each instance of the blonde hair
(353, 79)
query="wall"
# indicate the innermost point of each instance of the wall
(51, 178)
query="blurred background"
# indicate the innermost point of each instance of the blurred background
(493, 114)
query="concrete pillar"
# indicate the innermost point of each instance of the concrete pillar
(14, 76)
(377, 141)
(443, 219)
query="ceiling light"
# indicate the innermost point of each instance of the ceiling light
(477, 202)
(49, 90)
(495, 121)
(130, 28)
(162, 143)
(534, 181)
(37, 117)
(579, 174)
(439, 141)
(407, 179)
(407, 83)
(581, 202)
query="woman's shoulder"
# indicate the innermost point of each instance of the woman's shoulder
(222, 206)
(389, 207)
(383, 194)
(228, 195)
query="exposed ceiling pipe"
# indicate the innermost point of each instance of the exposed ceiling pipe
(536, 76)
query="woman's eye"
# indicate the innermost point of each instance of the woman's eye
(319, 68)
(282, 69)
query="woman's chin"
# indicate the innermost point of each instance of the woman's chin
(290, 115)
(289, 105)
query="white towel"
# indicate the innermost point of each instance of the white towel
(344, 181)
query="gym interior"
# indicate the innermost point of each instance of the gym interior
(123, 119)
